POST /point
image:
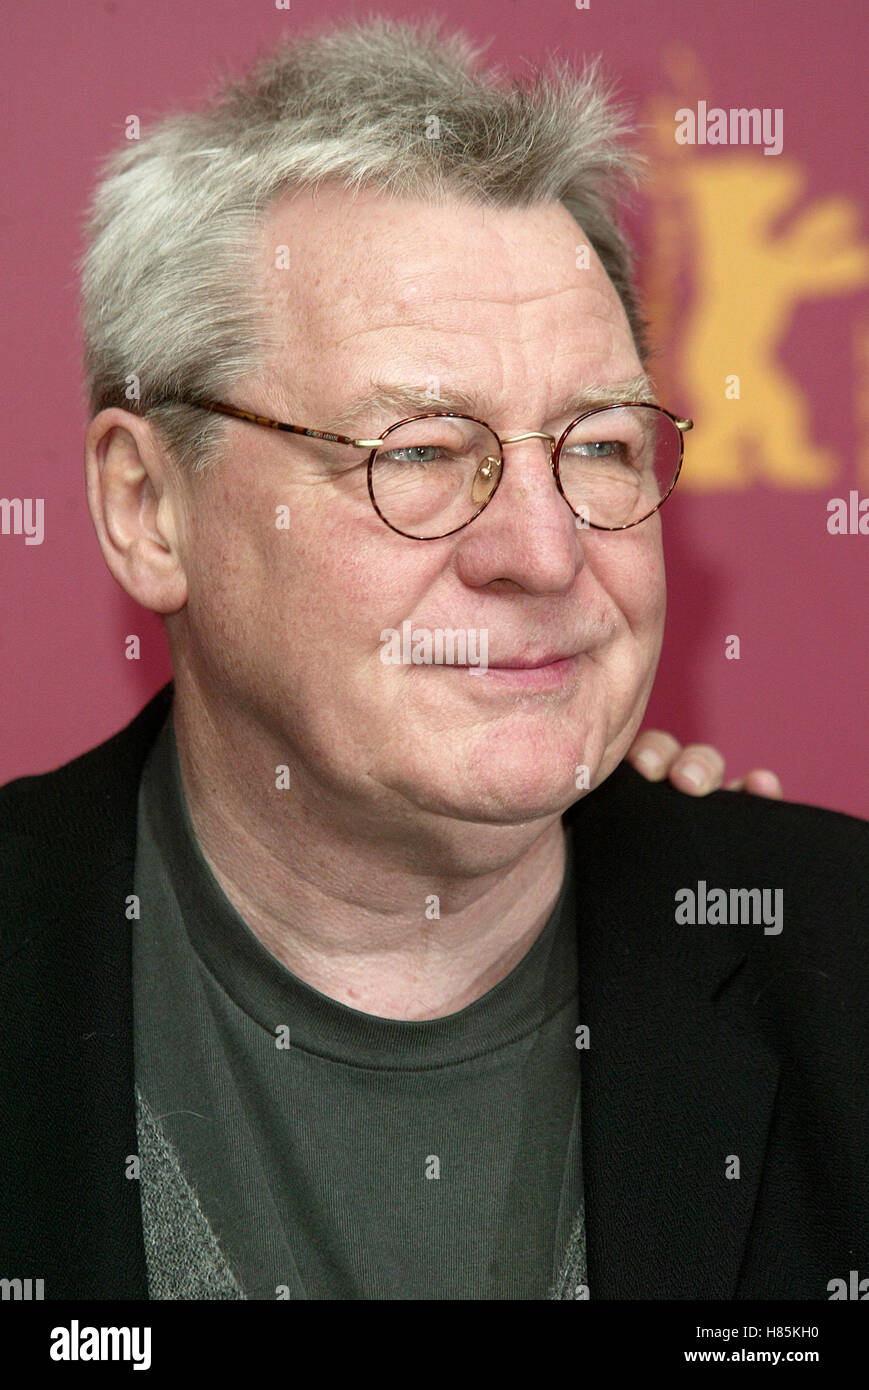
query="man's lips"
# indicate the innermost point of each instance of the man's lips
(549, 671)
(529, 663)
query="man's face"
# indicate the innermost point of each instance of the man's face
(285, 624)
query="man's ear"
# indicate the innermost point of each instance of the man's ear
(136, 504)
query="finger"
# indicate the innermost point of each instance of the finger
(762, 782)
(698, 770)
(653, 753)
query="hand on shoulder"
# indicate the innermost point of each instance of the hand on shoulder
(696, 769)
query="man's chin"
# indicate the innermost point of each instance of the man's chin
(503, 792)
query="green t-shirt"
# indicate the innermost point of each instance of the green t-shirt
(330, 1153)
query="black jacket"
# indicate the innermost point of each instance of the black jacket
(706, 1042)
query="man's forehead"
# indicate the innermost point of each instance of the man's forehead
(381, 288)
(360, 251)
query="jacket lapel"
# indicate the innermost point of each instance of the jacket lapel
(71, 1200)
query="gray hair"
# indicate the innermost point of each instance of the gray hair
(168, 294)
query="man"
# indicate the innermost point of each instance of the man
(364, 966)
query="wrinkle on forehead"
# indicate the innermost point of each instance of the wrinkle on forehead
(414, 293)
(346, 244)
(602, 312)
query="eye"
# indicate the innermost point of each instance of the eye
(601, 448)
(411, 453)
(614, 450)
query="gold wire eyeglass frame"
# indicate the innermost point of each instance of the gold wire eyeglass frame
(681, 424)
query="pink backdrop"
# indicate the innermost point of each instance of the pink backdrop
(756, 269)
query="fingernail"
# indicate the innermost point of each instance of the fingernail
(651, 761)
(693, 773)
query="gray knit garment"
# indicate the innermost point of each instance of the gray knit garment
(572, 1280)
(183, 1255)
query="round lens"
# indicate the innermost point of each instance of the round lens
(619, 463)
(432, 475)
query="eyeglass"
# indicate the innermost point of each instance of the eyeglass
(431, 475)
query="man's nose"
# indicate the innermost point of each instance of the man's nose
(527, 533)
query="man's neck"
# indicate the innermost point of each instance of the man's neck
(403, 936)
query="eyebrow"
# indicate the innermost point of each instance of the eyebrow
(395, 402)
